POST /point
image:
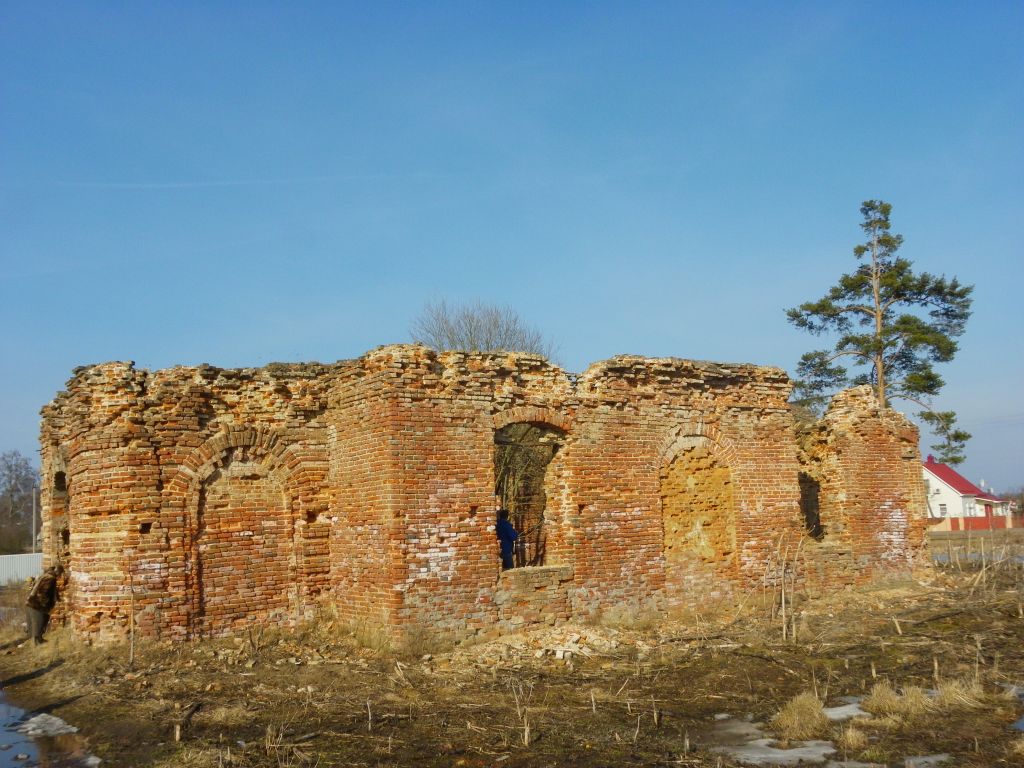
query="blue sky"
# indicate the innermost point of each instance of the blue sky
(239, 183)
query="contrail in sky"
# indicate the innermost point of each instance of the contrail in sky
(237, 182)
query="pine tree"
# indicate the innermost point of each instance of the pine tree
(893, 325)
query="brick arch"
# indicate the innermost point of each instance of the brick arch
(298, 472)
(532, 413)
(700, 544)
(203, 460)
(682, 437)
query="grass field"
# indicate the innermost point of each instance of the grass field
(933, 659)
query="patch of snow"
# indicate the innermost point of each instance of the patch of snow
(745, 741)
(845, 712)
(45, 725)
(760, 752)
(926, 761)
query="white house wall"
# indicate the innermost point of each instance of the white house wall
(940, 493)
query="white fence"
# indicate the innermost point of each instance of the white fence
(20, 567)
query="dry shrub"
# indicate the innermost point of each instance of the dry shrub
(959, 695)
(852, 739)
(803, 717)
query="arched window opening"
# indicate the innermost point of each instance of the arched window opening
(810, 507)
(522, 453)
(60, 483)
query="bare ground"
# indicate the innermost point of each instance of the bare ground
(625, 692)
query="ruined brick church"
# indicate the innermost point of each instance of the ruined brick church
(195, 501)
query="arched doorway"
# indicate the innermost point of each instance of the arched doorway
(699, 516)
(243, 544)
(523, 483)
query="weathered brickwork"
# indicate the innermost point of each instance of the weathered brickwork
(864, 458)
(699, 518)
(196, 501)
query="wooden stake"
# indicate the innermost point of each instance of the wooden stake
(131, 615)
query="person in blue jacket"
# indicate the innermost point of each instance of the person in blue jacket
(507, 537)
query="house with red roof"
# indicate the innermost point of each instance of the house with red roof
(963, 505)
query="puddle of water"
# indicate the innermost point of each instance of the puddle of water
(1017, 691)
(1014, 689)
(41, 741)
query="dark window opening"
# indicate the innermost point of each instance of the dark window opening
(311, 516)
(522, 453)
(809, 506)
(145, 527)
(60, 483)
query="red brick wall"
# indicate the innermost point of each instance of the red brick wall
(140, 451)
(872, 495)
(221, 497)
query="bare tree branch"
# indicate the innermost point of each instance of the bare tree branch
(477, 327)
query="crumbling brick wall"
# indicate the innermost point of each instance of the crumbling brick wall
(194, 501)
(865, 462)
(145, 455)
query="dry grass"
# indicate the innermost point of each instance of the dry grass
(852, 739)
(225, 715)
(371, 635)
(456, 706)
(418, 641)
(801, 718)
(12, 612)
(882, 699)
(13, 595)
(910, 704)
(1016, 747)
(958, 695)
(193, 757)
(916, 703)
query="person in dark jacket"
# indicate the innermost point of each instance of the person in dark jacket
(507, 538)
(41, 600)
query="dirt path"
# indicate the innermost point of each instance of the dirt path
(572, 695)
